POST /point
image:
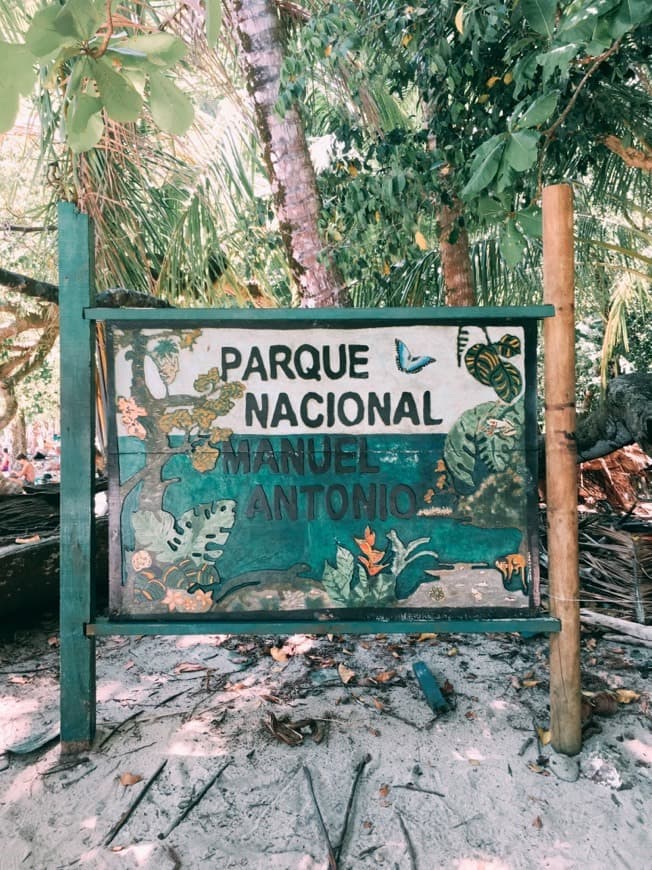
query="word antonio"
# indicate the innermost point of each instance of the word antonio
(330, 456)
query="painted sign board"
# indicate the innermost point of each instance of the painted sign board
(366, 466)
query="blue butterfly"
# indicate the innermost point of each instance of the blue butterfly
(407, 362)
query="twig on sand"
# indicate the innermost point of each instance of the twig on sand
(349, 806)
(332, 861)
(124, 818)
(410, 786)
(408, 842)
(193, 803)
(371, 706)
(118, 727)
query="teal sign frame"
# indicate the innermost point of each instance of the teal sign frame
(321, 471)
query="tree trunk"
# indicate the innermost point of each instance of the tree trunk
(18, 433)
(290, 170)
(455, 257)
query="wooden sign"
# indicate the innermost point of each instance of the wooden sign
(371, 465)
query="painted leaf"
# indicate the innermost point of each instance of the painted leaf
(337, 579)
(85, 124)
(521, 150)
(462, 341)
(486, 366)
(171, 109)
(152, 529)
(162, 49)
(484, 166)
(540, 15)
(508, 345)
(213, 21)
(122, 101)
(460, 451)
(42, 38)
(499, 435)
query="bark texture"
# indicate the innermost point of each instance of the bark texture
(290, 170)
(455, 259)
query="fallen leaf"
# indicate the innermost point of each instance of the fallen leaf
(384, 676)
(473, 762)
(448, 688)
(426, 635)
(529, 684)
(346, 674)
(383, 791)
(452, 651)
(20, 680)
(279, 655)
(188, 667)
(537, 823)
(53, 641)
(32, 539)
(626, 696)
(378, 704)
(129, 665)
(591, 643)
(470, 715)
(536, 768)
(544, 736)
(129, 779)
(604, 704)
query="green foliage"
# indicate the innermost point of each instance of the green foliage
(74, 45)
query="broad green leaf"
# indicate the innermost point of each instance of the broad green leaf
(579, 24)
(85, 124)
(9, 103)
(485, 166)
(78, 19)
(490, 369)
(213, 21)
(42, 38)
(512, 245)
(559, 58)
(490, 208)
(539, 112)
(529, 220)
(171, 109)
(540, 15)
(17, 70)
(122, 101)
(521, 151)
(500, 434)
(162, 49)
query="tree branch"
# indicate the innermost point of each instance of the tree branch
(29, 286)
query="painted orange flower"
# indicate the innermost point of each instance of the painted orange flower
(372, 558)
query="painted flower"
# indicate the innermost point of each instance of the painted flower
(372, 559)
(130, 412)
(141, 560)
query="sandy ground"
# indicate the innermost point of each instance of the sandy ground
(473, 787)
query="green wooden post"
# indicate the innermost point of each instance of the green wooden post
(77, 608)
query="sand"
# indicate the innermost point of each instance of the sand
(475, 786)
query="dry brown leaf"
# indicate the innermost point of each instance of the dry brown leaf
(420, 241)
(378, 704)
(346, 674)
(384, 676)
(536, 768)
(279, 655)
(188, 667)
(19, 680)
(474, 762)
(129, 779)
(530, 684)
(383, 791)
(544, 736)
(452, 651)
(537, 823)
(604, 704)
(626, 696)
(53, 641)
(426, 635)
(470, 715)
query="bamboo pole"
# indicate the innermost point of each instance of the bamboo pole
(561, 468)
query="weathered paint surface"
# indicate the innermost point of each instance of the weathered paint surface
(374, 470)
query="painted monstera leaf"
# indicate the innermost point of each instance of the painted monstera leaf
(153, 529)
(490, 432)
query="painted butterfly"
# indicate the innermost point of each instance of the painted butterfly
(408, 362)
